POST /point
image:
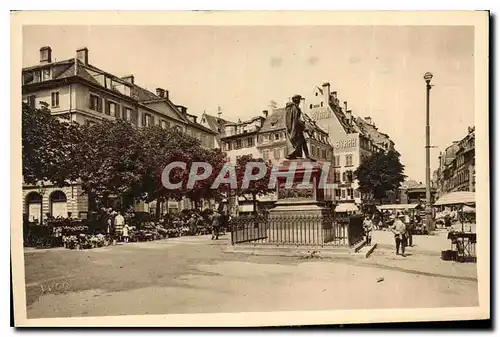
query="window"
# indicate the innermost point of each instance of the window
(163, 124)
(250, 142)
(343, 193)
(127, 114)
(336, 161)
(310, 106)
(111, 109)
(323, 153)
(147, 120)
(344, 177)
(265, 155)
(265, 138)
(316, 93)
(350, 193)
(95, 103)
(37, 76)
(32, 101)
(46, 74)
(337, 192)
(228, 146)
(321, 104)
(348, 160)
(336, 177)
(277, 153)
(54, 99)
(276, 136)
(238, 144)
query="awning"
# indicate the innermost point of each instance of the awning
(398, 206)
(456, 198)
(245, 208)
(468, 209)
(346, 207)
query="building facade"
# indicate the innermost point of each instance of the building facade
(457, 168)
(76, 91)
(353, 139)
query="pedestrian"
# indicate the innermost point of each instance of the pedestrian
(215, 225)
(119, 223)
(125, 233)
(368, 227)
(399, 230)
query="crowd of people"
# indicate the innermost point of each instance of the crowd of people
(188, 222)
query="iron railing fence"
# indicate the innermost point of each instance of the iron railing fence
(296, 230)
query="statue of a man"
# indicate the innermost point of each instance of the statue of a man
(295, 128)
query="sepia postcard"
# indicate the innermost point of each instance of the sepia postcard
(221, 169)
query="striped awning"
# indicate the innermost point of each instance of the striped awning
(346, 207)
(397, 206)
(245, 208)
(456, 198)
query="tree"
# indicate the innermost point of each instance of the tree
(48, 147)
(108, 160)
(380, 173)
(161, 147)
(255, 187)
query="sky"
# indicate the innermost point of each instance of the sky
(378, 70)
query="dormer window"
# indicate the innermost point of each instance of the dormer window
(46, 74)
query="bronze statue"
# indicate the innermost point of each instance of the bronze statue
(295, 128)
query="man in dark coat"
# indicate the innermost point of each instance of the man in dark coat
(295, 127)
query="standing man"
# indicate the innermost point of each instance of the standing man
(119, 225)
(216, 217)
(399, 230)
(295, 128)
(368, 227)
(409, 228)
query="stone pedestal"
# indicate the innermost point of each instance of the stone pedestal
(300, 215)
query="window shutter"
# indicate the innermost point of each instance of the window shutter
(99, 104)
(143, 119)
(106, 106)
(90, 102)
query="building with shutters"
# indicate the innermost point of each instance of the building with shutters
(79, 92)
(353, 139)
(457, 166)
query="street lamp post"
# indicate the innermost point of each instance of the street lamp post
(428, 209)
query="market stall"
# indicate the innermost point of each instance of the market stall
(463, 243)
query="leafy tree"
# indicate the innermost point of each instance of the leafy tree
(107, 159)
(161, 147)
(255, 187)
(380, 173)
(48, 147)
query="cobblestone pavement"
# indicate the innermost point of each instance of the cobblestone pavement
(195, 275)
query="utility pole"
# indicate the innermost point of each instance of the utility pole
(428, 206)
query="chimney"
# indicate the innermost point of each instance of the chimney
(82, 54)
(368, 120)
(348, 114)
(182, 108)
(326, 93)
(160, 92)
(345, 106)
(45, 55)
(265, 113)
(195, 119)
(129, 78)
(335, 100)
(166, 94)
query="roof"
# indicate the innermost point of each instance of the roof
(276, 121)
(66, 69)
(215, 123)
(372, 132)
